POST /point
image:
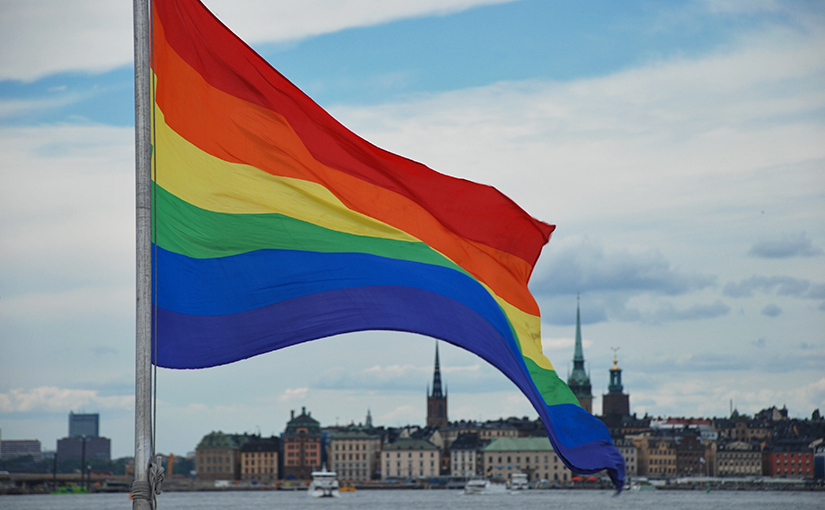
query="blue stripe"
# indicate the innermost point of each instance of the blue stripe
(245, 282)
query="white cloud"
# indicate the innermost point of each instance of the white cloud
(10, 108)
(665, 139)
(402, 414)
(750, 393)
(290, 395)
(573, 265)
(380, 373)
(67, 215)
(54, 399)
(566, 344)
(47, 36)
(75, 302)
(283, 20)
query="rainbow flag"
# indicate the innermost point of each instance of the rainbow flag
(276, 225)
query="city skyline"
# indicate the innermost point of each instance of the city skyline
(677, 148)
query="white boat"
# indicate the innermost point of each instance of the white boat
(484, 486)
(324, 484)
(518, 482)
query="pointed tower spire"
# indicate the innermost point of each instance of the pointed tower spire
(578, 354)
(437, 400)
(579, 381)
(437, 376)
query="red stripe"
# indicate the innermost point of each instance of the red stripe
(477, 212)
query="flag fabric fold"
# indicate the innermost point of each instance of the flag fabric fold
(276, 225)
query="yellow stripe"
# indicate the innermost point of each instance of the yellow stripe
(528, 332)
(219, 186)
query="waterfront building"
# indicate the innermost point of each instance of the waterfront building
(702, 427)
(301, 446)
(12, 449)
(491, 430)
(73, 448)
(656, 455)
(690, 454)
(630, 425)
(741, 428)
(355, 454)
(410, 458)
(465, 456)
(217, 457)
(579, 381)
(533, 456)
(84, 438)
(437, 400)
(630, 454)
(738, 458)
(450, 433)
(259, 459)
(788, 459)
(84, 425)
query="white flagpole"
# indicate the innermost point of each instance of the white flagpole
(141, 491)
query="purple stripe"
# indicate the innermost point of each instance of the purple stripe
(192, 341)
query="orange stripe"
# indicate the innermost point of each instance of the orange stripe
(239, 132)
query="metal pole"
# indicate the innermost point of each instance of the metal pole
(143, 178)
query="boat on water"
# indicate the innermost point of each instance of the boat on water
(485, 486)
(518, 482)
(324, 484)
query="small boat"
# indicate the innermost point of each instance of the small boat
(518, 482)
(484, 486)
(347, 488)
(324, 484)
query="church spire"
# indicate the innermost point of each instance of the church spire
(437, 400)
(579, 381)
(437, 376)
(578, 354)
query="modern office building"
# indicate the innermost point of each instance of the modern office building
(84, 425)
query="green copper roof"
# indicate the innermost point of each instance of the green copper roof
(215, 440)
(354, 434)
(519, 444)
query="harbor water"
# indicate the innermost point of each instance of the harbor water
(431, 500)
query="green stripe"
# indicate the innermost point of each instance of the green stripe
(552, 389)
(189, 230)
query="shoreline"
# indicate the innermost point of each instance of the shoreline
(202, 486)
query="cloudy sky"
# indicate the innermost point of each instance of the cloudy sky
(678, 146)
